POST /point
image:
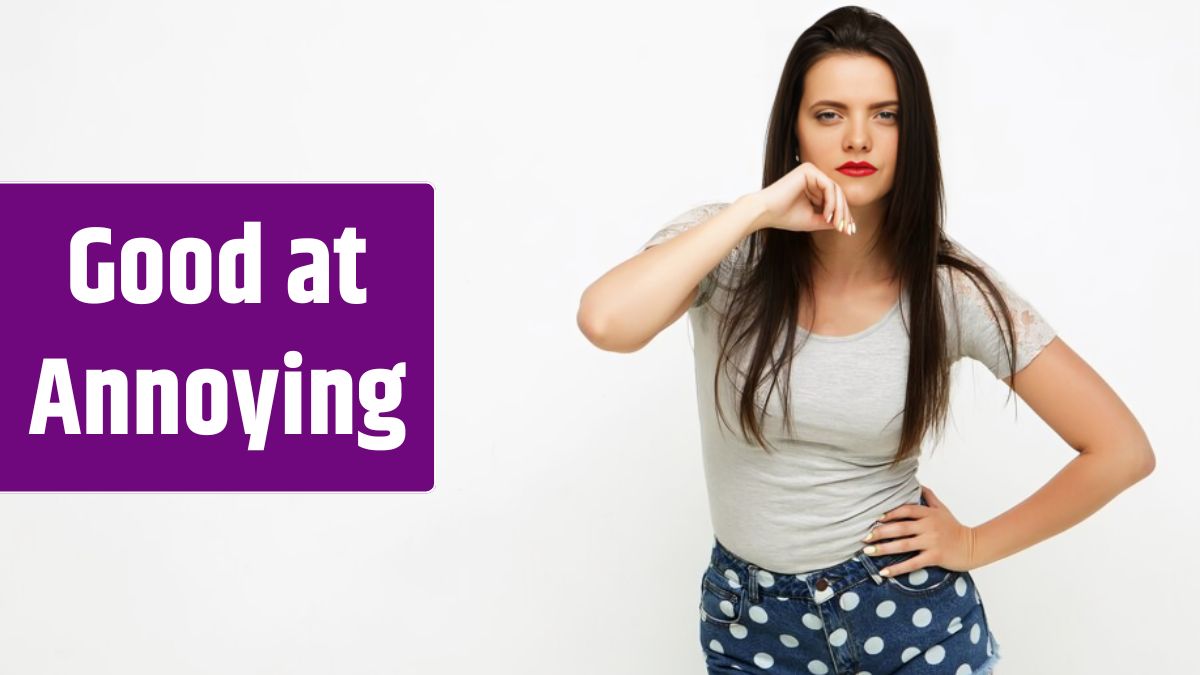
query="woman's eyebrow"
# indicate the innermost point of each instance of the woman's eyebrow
(838, 104)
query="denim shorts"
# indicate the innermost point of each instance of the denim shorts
(842, 620)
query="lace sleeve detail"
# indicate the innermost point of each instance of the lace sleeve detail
(980, 337)
(683, 222)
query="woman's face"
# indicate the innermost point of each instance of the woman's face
(857, 130)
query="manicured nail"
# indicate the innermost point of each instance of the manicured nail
(870, 550)
(885, 572)
(841, 224)
(829, 218)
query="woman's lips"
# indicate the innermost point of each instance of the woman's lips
(853, 171)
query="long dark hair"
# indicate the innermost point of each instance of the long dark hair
(765, 301)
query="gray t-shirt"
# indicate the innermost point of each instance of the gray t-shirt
(808, 505)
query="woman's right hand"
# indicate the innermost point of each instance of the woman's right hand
(803, 199)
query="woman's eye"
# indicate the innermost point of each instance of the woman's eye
(821, 116)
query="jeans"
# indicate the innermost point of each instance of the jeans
(842, 620)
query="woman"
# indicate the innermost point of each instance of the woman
(856, 261)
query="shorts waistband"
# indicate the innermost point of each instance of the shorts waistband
(815, 586)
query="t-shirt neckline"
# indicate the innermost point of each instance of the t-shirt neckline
(853, 336)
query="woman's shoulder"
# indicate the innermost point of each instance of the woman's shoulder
(685, 220)
(717, 280)
(974, 317)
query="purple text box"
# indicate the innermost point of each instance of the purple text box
(378, 339)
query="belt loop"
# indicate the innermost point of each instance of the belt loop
(872, 569)
(752, 583)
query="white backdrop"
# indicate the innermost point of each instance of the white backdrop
(569, 526)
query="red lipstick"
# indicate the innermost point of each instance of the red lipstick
(857, 168)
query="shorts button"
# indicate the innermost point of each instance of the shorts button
(822, 584)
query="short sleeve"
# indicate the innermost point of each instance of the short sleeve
(980, 336)
(681, 223)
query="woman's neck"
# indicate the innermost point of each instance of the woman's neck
(848, 262)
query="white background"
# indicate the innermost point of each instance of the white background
(569, 526)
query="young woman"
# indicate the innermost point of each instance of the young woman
(845, 246)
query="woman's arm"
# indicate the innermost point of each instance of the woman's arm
(1114, 453)
(626, 308)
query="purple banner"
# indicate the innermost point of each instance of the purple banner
(218, 337)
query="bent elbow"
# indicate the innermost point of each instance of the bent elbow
(598, 333)
(595, 329)
(1148, 463)
(1142, 467)
(588, 324)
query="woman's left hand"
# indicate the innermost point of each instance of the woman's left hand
(942, 540)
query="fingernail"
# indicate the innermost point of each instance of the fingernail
(870, 550)
(885, 572)
(868, 537)
(841, 224)
(829, 218)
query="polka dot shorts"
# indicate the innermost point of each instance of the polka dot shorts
(842, 620)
